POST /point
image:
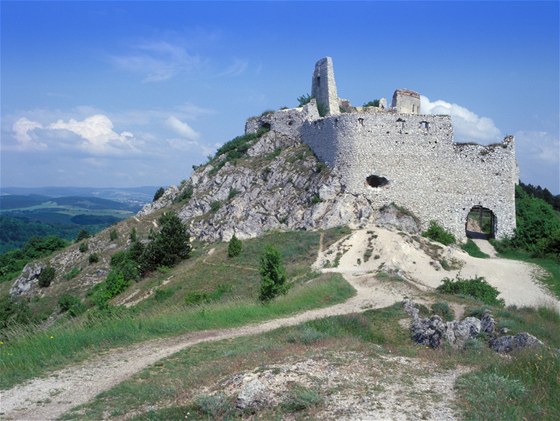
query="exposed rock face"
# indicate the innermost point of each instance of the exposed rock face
(24, 284)
(391, 216)
(165, 200)
(505, 344)
(253, 395)
(279, 184)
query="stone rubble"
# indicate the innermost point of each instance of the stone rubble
(433, 331)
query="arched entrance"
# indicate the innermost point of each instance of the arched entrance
(481, 223)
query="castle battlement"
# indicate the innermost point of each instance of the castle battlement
(400, 156)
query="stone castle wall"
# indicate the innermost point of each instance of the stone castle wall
(427, 173)
(400, 156)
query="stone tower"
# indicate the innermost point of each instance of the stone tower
(406, 101)
(323, 86)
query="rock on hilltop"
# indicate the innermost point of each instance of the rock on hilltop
(277, 183)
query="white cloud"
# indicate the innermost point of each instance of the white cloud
(468, 126)
(97, 134)
(181, 128)
(236, 68)
(22, 130)
(157, 61)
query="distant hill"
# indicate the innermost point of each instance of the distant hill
(64, 211)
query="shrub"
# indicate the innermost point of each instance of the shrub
(82, 235)
(273, 275)
(133, 236)
(442, 309)
(14, 311)
(472, 249)
(322, 109)
(214, 406)
(83, 247)
(159, 192)
(185, 195)
(437, 233)
(300, 398)
(232, 193)
(113, 235)
(116, 283)
(234, 247)
(477, 288)
(304, 100)
(93, 258)
(374, 103)
(215, 206)
(46, 276)
(72, 274)
(71, 304)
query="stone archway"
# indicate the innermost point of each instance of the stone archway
(480, 223)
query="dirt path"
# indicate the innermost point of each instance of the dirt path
(51, 396)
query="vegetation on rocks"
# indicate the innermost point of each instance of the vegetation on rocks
(476, 288)
(437, 233)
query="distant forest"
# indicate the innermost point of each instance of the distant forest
(544, 194)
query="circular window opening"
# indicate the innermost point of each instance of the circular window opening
(376, 181)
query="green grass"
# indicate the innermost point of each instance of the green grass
(28, 356)
(521, 387)
(472, 249)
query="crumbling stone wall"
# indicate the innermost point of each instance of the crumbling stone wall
(414, 156)
(427, 173)
(323, 86)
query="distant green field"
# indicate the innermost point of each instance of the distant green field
(25, 216)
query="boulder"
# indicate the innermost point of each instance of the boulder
(253, 395)
(28, 278)
(505, 344)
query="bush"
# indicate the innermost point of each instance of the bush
(113, 235)
(71, 304)
(442, 309)
(159, 192)
(215, 206)
(72, 274)
(322, 109)
(374, 103)
(300, 398)
(93, 258)
(273, 275)
(185, 195)
(234, 247)
(46, 276)
(437, 233)
(116, 283)
(477, 288)
(14, 311)
(304, 100)
(83, 247)
(82, 235)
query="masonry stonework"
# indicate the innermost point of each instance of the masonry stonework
(323, 86)
(412, 160)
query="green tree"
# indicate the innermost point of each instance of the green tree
(167, 247)
(82, 235)
(234, 246)
(46, 276)
(273, 275)
(159, 192)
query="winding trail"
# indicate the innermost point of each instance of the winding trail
(51, 396)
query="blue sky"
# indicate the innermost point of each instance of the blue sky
(135, 93)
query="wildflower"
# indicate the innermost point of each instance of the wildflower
(51, 337)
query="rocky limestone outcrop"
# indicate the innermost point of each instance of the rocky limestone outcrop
(433, 331)
(164, 201)
(25, 283)
(278, 184)
(391, 216)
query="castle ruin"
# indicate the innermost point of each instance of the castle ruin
(398, 155)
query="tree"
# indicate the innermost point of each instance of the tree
(167, 247)
(46, 276)
(273, 275)
(82, 235)
(234, 247)
(159, 192)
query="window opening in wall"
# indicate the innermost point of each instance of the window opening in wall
(424, 125)
(318, 81)
(481, 223)
(376, 181)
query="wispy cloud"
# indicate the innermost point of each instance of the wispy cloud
(467, 125)
(237, 68)
(158, 61)
(181, 128)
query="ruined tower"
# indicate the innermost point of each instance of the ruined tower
(323, 86)
(406, 101)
